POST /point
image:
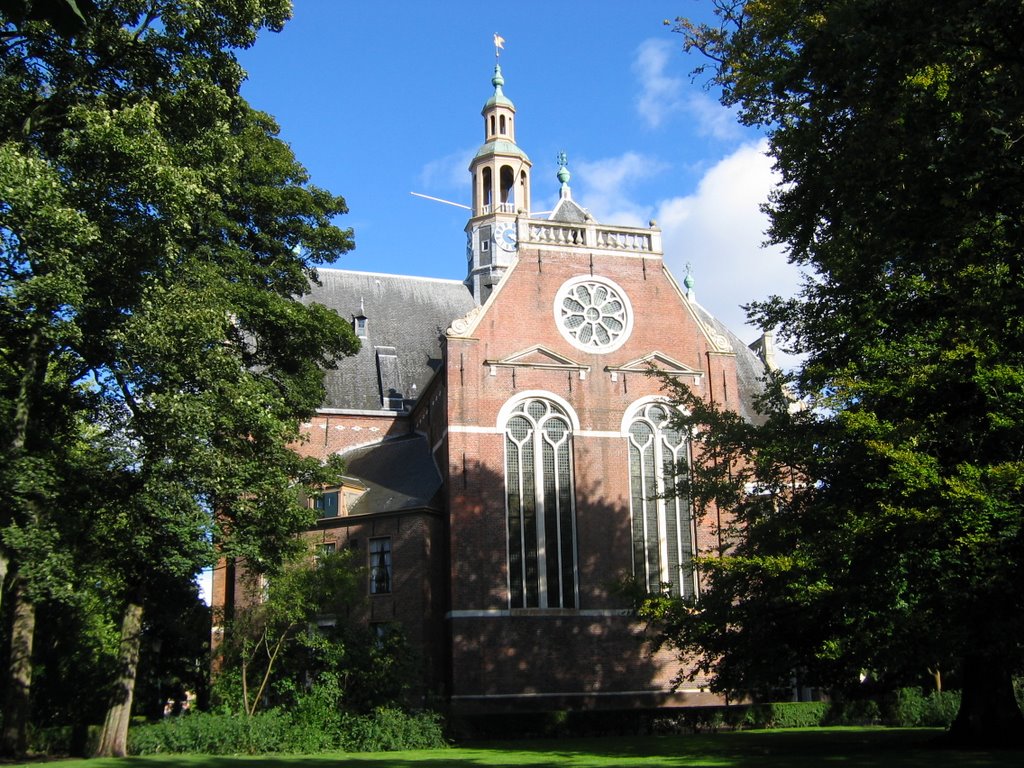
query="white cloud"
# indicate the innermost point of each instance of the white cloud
(604, 186)
(719, 230)
(660, 93)
(663, 95)
(712, 119)
(448, 172)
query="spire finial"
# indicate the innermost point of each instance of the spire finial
(563, 174)
(689, 282)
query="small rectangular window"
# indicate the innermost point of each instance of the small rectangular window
(360, 327)
(380, 566)
(326, 504)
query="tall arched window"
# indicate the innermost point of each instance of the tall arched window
(507, 179)
(662, 527)
(539, 499)
(487, 189)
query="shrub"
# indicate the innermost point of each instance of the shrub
(309, 729)
(212, 733)
(856, 712)
(389, 729)
(316, 718)
(787, 714)
(910, 708)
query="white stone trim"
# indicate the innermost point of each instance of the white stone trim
(471, 429)
(540, 613)
(529, 394)
(570, 285)
(577, 694)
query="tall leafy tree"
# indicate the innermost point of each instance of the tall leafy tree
(156, 235)
(887, 534)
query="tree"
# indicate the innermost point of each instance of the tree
(155, 237)
(280, 625)
(898, 544)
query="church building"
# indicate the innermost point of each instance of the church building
(505, 447)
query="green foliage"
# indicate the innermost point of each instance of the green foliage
(911, 708)
(314, 725)
(155, 357)
(787, 714)
(888, 532)
(213, 733)
(273, 644)
(387, 729)
(854, 712)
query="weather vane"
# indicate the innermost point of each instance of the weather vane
(499, 44)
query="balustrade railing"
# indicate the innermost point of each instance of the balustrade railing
(498, 208)
(625, 239)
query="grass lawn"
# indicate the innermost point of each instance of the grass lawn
(839, 747)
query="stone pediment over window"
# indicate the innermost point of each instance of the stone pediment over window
(658, 362)
(538, 356)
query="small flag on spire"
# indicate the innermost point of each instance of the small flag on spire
(499, 44)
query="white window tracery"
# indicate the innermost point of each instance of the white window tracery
(662, 522)
(540, 506)
(593, 314)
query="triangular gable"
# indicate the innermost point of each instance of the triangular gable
(570, 212)
(539, 356)
(657, 361)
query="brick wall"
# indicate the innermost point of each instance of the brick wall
(499, 655)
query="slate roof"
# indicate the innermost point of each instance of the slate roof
(569, 211)
(416, 486)
(750, 368)
(406, 318)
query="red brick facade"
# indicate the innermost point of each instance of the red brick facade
(481, 622)
(595, 655)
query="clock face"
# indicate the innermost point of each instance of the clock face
(505, 235)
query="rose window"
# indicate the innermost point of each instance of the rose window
(593, 314)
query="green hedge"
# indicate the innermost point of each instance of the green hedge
(911, 708)
(906, 708)
(789, 714)
(214, 733)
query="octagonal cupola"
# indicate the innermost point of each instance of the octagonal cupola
(501, 194)
(501, 170)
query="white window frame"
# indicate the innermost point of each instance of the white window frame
(687, 582)
(557, 409)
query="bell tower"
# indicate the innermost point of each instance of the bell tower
(501, 195)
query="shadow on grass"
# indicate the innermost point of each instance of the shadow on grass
(840, 747)
(803, 748)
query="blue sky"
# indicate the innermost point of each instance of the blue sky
(382, 99)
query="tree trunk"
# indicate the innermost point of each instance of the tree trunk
(989, 715)
(14, 738)
(114, 738)
(5, 564)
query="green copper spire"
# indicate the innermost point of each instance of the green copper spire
(563, 174)
(499, 98)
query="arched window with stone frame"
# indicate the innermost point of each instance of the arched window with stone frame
(540, 505)
(661, 521)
